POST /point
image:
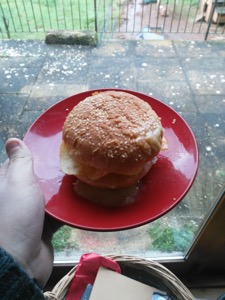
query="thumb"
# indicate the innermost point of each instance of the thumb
(20, 160)
(16, 149)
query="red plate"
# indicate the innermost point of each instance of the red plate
(163, 188)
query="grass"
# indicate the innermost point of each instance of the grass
(33, 18)
(184, 8)
(180, 3)
(29, 17)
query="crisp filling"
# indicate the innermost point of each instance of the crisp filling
(72, 167)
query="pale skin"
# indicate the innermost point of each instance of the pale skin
(25, 231)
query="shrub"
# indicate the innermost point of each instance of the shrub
(61, 239)
(167, 239)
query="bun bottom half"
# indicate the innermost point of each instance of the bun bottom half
(108, 197)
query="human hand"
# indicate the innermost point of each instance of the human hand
(22, 214)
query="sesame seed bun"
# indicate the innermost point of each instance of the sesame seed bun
(110, 139)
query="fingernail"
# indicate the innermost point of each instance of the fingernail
(12, 145)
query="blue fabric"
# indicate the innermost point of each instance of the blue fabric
(15, 284)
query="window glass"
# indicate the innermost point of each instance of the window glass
(169, 236)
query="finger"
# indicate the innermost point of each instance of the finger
(20, 161)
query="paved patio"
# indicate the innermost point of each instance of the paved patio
(188, 76)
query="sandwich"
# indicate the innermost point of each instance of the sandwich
(110, 140)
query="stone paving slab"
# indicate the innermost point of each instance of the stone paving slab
(188, 76)
(196, 49)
